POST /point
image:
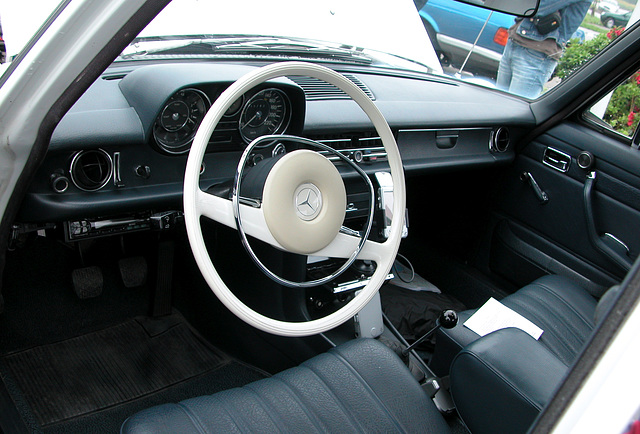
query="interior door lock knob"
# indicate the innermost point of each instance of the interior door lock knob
(585, 160)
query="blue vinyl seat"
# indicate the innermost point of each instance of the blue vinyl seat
(360, 386)
(501, 382)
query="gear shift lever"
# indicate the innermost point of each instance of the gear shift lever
(447, 319)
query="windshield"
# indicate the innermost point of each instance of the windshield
(442, 37)
(364, 29)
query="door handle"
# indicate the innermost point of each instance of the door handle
(556, 159)
(601, 243)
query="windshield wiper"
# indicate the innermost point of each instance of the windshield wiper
(203, 45)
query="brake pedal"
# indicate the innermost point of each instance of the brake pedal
(87, 282)
(133, 271)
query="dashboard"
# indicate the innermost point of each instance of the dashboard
(117, 158)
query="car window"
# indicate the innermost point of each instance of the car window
(619, 111)
(441, 37)
(475, 44)
(21, 20)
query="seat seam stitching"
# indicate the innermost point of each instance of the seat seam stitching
(337, 400)
(268, 408)
(338, 355)
(564, 302)
(193, 417)
(564, 321)
(554, 336)
(238, 423)
(300, 400)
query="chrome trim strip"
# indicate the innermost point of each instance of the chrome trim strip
(466, 46)
(356, 284)
(374, 152)
(418, 130)
(117, 180)
(618, 240)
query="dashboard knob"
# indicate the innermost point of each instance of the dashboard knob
(358, 156)
(143, 172)
(585, 160)
(256, 158)
(448, 319)
(59, 182)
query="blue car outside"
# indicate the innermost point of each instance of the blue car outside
(453, 28)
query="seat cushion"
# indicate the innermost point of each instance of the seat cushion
(559, 306)
(360, 386)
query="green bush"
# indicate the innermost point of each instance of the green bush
(577, 54)
(622, 111)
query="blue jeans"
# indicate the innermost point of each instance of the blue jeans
(524, 71)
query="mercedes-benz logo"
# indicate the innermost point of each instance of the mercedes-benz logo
(308, 201)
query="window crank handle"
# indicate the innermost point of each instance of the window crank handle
(541, 195)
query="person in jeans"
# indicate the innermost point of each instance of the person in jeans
(536, 44)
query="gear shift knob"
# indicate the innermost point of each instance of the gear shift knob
(448, 319)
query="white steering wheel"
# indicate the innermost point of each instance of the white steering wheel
(279, 220)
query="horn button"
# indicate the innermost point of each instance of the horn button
(304, 201)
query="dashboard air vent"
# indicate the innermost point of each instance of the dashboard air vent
(117, 76)
(358, 147)
(315, 89)
(91, 170)
(500, 140)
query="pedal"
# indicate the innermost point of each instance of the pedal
(87, 282)
(133, 271)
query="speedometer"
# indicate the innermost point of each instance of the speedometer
(177, 123)
(265, 113)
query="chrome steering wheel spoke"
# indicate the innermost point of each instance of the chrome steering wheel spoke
(303, 209)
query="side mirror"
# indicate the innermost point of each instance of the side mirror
(522, 8)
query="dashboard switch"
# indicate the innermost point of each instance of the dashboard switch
(143, 172)
(59, 182)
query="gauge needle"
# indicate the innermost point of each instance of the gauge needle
(257, 115)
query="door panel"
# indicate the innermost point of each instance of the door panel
(553, 237)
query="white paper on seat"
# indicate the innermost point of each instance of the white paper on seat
(494, 315)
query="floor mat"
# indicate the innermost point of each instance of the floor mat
(454, 277)
(92, 372)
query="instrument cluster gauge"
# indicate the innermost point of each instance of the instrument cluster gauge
(265, 113)
(234, 109)
(179, 120)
